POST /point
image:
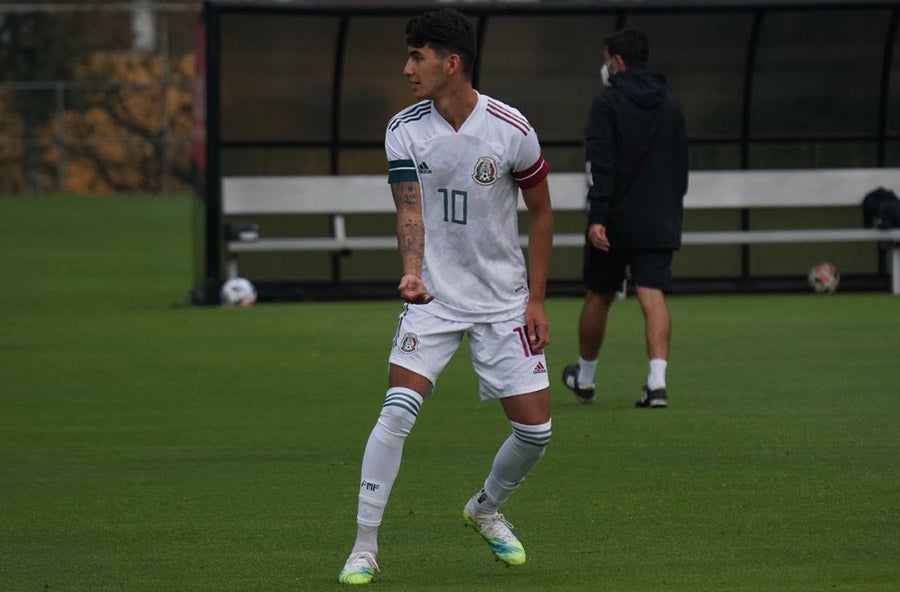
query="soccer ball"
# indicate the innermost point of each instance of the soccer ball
(238, 292)
(824, 278)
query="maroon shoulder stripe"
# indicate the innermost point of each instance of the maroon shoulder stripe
(505, 117)
(503, 109)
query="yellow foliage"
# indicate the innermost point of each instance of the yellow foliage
(123, 115)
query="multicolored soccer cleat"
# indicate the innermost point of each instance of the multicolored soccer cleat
(494, 529)
(359, 569)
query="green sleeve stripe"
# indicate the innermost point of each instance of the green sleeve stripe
(403, 175)
(401, 170)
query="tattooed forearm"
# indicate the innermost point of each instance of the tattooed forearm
(405, 195)
(410, 227)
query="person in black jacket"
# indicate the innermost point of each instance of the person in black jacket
(637, 159)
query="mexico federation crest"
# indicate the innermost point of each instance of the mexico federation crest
(409, 343)
(485, 171)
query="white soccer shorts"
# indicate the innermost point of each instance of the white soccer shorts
(501, 355)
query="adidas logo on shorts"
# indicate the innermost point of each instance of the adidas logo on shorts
(539, 369)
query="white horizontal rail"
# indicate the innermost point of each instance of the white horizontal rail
(364, 194)
(725, 237)
(812, 235)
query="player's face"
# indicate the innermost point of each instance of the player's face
(425, 71)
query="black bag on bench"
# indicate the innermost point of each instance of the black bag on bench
(881, 209)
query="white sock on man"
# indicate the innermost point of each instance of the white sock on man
(513, 462)
(586, 370)
(656, 379)
(381, 462)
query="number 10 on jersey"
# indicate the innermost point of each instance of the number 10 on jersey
(456, 205)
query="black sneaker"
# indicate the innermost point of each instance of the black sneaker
(570, 379)
(658, 399)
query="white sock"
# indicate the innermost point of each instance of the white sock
(366, 539)
(514, 461)
(586, 370)
(381, 462)
(656, 379)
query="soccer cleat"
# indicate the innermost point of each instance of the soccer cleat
(494, 529)
(655, 399)
(570, 379)
(359, 569)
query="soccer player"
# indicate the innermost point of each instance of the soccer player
(457, 160)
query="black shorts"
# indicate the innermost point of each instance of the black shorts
(648, 268)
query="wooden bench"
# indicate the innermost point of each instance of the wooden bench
(340, 196)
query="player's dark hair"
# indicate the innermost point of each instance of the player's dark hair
(445, 31)
(632, 46)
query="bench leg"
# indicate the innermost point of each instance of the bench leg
(232, 267)
(895, 270)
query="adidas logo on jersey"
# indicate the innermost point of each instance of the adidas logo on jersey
(539, 369)
(423, 168)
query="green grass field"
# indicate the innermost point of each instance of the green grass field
(149, 445)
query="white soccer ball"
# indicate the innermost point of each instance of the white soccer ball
(824, 278)
(238, 292)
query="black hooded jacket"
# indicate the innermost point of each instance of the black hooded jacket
(636, 143)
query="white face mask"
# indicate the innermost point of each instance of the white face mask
(604, 74)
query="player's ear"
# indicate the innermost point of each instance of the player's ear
(452, 64)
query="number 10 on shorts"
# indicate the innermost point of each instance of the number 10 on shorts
(529, 351)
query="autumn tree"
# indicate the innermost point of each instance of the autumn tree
(37, 46)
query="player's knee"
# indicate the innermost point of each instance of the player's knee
(537, 436)
(399, 413)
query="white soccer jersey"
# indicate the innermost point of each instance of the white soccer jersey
(469, 181)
